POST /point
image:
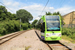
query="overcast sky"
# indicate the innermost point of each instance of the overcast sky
(35, 7)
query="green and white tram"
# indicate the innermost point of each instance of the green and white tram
(50, 27)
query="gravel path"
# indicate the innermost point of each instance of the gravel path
(24, 41)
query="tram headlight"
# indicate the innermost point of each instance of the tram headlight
(59, 34)
(47, 34)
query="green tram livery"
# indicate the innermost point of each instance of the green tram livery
(50, 27)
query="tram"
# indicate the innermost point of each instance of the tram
(50, 27)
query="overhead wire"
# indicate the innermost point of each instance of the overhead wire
(6, 7)
(61, 3)
(45, 7)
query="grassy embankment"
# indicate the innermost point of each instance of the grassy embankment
(69, 34)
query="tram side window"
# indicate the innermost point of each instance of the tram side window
(43, 27)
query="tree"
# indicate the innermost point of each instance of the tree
(2, 13)
(58, 13)
(34, 22)
(2, 9)
(5, 15)
(48, 13)
(55, 13)
(24, 15)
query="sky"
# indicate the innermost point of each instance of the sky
(35, 7)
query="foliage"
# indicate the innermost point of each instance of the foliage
(69, 32)
(38, 25)
(10, 22)
(5, 15)
(30, 26)
(48, 13)
(24, 15)
(55, 13)
(34, 22)
(2, 9)
(24, 26)
(12, 26)
(27, 47)
(68, 38)
(9, 26)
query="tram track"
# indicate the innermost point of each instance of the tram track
(6, 38)
(54, 45)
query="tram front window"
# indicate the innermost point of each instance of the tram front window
(53, 23)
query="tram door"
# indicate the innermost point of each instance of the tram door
(42, 31)
(43, 27)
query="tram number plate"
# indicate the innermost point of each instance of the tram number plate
(53, 34)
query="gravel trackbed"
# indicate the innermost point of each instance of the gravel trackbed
(26, 41)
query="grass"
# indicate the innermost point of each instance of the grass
(25, 37)
(27, 48)
(68, 38)
(21, 29)
(0, 35)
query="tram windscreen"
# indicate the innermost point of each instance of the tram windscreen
(53, 23)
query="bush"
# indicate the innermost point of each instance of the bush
(25, 26)
(12, 26)
(69, 32)
(9, 27)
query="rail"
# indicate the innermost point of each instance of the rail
(54, 45)
(7, 37)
